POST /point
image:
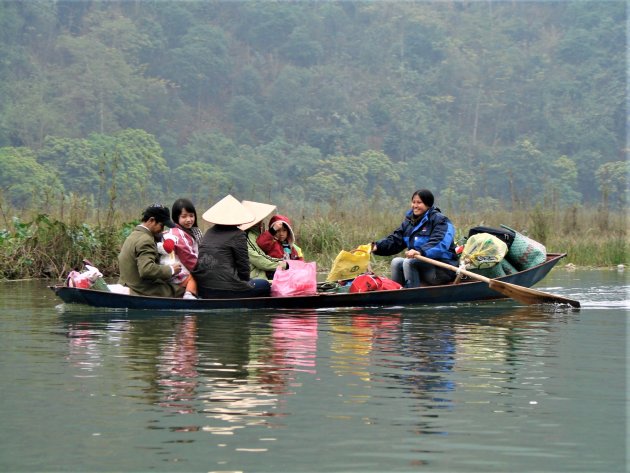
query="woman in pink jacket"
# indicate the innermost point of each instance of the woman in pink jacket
(181, 243)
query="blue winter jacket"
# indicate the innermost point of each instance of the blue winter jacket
(433, 237)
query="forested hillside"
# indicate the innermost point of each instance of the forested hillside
(490, 104)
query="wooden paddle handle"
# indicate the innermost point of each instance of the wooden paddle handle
(455, 269)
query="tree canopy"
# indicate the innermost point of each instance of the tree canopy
(489, 102)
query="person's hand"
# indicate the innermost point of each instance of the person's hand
(412, 253)
(177, 268)
(283, 265)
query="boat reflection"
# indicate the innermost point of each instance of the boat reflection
(289, 348)
(226, 372)
(353, 340)
(176, 369)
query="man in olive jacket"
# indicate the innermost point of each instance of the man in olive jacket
(138, 261)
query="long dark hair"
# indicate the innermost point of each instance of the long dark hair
(185, 204)
(425, 195)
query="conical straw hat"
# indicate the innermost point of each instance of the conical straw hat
(259, 210)
(228, 211)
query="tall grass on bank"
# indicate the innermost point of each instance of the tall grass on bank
(45, 246)
(589, 237)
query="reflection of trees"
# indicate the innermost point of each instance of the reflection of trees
(504, 351)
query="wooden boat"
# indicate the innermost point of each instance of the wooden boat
(466, 291)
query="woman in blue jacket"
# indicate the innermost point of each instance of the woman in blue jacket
(424, 231)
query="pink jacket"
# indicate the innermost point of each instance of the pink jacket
(186, 252)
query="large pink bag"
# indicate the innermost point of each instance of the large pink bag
(299, 280)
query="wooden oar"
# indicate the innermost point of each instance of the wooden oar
(519, 293)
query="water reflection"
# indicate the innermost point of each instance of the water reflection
(376, 390)
(85, 343)
(220, 374)
(353, 339)
(177, 373)
(289, 347)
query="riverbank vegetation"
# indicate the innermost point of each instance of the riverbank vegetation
(510, 112)
(43, 246)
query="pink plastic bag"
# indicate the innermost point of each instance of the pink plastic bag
(299, 280)
(76, 279)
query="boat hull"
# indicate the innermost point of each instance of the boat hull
(473, 291)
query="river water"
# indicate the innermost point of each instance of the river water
(493, 387)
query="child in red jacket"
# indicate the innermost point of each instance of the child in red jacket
(279, 240)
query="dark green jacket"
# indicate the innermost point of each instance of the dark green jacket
(140, 269)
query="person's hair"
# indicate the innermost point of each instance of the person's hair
(426, 196)
(183, 204)
(157, 211)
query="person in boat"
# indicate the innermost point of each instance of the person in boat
(261, 265)
(139, 260)
(222, 269)
(184, 249)
(424, 231)
(279, 240)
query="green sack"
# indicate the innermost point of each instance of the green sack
(524, 252)
(100, 285)
(495, 271)
(507, 267)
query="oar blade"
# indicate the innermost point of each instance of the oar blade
(528, 295)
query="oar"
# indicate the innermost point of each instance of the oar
(520, 293)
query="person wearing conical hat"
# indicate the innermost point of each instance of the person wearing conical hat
(222, 269)
(261, 265)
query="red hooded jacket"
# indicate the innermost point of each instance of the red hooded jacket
(271, 246)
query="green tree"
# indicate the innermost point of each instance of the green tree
(29, 114)
(98, 81)
(612, 182)
(201, 66)
(75, 161)
(134, 171)
(265, 26)
(249, 83)
(209, 147)
(561, 184)
(25, 183)
(246, 114)
(300, 49)
(370, 176)
(203, 183)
